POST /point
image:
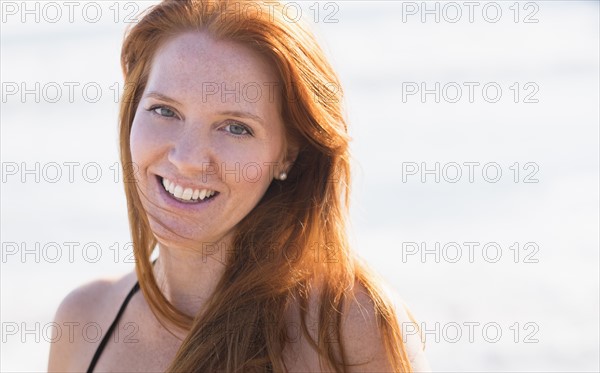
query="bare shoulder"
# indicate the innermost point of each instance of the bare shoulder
(82, 314)
(362, 337)
(360, 333)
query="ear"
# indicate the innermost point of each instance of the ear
(290, 156)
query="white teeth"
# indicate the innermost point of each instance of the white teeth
(188, 193)
(178, 191)
(202, 194)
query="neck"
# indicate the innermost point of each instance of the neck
(189, 277)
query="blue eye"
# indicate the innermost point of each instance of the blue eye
(162, 111)
(238, 129)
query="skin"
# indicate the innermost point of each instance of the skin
(181, 132)
(174, 135)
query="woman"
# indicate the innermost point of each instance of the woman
(231, 129)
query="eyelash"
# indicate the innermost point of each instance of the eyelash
(152, 111)
(233, 122)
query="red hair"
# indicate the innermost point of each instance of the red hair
(307, 211)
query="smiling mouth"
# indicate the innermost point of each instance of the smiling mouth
(186, 195)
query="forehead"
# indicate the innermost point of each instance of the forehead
(193, 66)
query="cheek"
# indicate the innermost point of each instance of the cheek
(255, 163)
(143, 141)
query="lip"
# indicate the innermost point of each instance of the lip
(172, 202)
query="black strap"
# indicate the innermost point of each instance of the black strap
(104, 341)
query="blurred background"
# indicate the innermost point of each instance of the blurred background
(475, 145)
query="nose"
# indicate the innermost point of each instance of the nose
(192, 152)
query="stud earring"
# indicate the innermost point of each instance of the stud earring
(282, 176)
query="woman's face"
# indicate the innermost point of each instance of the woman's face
(207, 121)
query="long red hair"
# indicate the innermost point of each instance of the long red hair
(297, 221)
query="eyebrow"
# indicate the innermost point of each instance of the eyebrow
(160, 96)
(233, 113)
(244, 114)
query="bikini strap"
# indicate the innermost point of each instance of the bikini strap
(106, 337)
